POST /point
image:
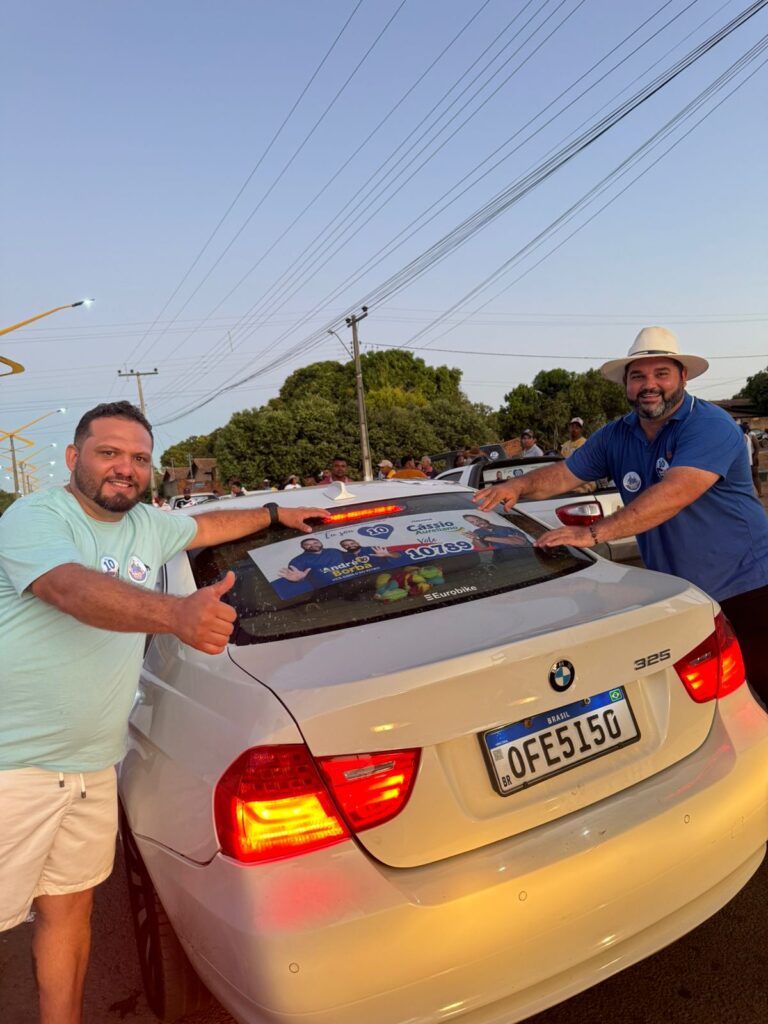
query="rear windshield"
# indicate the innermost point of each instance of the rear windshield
(407, 556)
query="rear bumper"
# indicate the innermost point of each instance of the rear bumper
(487, 937)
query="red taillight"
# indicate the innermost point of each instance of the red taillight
(362, 513)
(582, 514)
(716, 667)
(272, 801)
(371, 788)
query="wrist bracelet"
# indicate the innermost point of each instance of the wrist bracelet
(593, 532)
(274, 518)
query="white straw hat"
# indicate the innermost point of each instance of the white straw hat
(658, 343)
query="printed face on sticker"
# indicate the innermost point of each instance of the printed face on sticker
(137, 571)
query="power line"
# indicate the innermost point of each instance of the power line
(288, 164)
(388, 249)
(348, 160)
(601, 187)
(209, 358)
(546, 355)
(396, 314)
(513, 193)
(253, 171)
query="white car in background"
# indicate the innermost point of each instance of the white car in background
(438, 773)
(198, 497)
(577, 508)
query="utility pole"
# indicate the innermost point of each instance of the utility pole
(353, 321)
(138, 374)
(15, 467)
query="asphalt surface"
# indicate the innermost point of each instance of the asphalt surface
(715, 975)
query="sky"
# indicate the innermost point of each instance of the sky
(229, 182)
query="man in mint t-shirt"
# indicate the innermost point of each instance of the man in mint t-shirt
(78, 566)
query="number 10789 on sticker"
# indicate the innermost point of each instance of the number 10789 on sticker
(536, 748)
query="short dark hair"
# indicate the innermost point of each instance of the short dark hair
(339, 458)
(407, 458)
(113, 410)
(234, 482)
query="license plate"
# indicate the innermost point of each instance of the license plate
(546, 744)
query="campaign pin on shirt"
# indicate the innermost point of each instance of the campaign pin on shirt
(661, 467)
(110, 566)
(137, 571)
(632, 481)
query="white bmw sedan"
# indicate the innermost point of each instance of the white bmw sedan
(438, 773)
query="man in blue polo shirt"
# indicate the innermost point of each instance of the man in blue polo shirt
(682, 470)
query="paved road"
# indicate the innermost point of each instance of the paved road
(716, 975)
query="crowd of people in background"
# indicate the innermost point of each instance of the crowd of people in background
(407, 466)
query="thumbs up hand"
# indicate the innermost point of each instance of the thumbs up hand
(203, 620)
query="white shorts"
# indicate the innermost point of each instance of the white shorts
(57, 835)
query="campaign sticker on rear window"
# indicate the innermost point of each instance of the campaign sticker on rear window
(327, 557)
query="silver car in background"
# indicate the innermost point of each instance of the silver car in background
(437, 774)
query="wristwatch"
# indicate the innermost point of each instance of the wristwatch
(274, 518)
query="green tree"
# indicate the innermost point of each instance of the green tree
(596, 400)
(197, 446)
(329, 380)
(554, 397)
(461, 423)
(756, 390)
(256, 443)
(399, 369)
(519, 411)
(6, 500)
(411, 407)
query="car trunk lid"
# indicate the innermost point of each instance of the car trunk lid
(443, 681)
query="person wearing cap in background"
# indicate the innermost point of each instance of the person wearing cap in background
(528, 444)
(386, 469)
(577, 439)
(681, 466)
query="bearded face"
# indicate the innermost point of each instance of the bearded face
(115, 491)
(112, 466)
(655, 387)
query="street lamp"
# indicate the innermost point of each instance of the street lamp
(17, 367)
(29, 478)
(16, 435)
(28, 468)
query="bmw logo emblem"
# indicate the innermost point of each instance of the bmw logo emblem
(561, 675)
